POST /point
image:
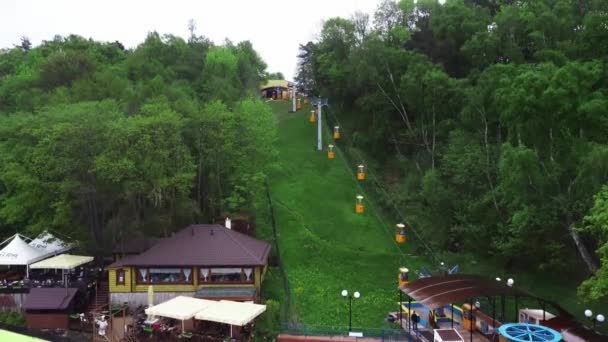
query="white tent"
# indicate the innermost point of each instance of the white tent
(181, 308)
(50, 244)
(18, 252)
(229, 312)
(224, 311)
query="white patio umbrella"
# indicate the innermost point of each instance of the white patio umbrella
(150, 300)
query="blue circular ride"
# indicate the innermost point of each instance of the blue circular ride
(523, 332)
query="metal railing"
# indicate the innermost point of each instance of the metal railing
(24, 286)
(285, 304)
(334, 331)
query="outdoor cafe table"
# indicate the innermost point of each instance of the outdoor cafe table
(151, 321)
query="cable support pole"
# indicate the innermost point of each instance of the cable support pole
(293, 97)
(319, 132)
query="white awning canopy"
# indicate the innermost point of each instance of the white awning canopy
(229, 312)
(224, 311)
(18, 252)
(63, 262)
(49, 244)
(181, 307)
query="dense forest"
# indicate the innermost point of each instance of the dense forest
(486, 120)
(100, 142)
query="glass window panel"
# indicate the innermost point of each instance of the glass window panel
(166, 275)
(164, 270)
(226, 275)
(120, 277)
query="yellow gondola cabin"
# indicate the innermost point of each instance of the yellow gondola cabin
(359, 208)
(403, 276)
(330, 152)
(400, 233)
(360, 172)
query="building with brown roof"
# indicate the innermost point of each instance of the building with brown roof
(48, 308)
(204, 261)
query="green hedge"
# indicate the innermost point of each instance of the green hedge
(12, 318)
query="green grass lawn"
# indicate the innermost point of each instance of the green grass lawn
(326, 247)
(6, 335)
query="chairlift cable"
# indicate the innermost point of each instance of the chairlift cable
(388, 196)
(376, 212)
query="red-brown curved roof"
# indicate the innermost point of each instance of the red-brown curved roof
(438, 291)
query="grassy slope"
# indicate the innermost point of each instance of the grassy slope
(326, 247)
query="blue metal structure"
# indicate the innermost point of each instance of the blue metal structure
(454, 270)
(524, 332)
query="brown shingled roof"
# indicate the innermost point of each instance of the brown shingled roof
(54, 298)
(202, 245)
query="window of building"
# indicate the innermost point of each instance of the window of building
(120, 277)
(225, 275)
(164, 275)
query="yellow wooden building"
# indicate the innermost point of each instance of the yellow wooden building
(203, 261)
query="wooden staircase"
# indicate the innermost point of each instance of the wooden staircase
(102, 297)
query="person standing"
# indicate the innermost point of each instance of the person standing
(103, 326)
(415, 319)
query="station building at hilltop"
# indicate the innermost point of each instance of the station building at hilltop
(276, 89)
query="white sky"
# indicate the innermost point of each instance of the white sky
(275, 28)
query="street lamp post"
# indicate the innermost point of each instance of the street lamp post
(355, 295)
(599, 318)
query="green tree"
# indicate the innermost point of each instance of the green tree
(100, 142)
(596, 223)
(484, 118)
(221, 75)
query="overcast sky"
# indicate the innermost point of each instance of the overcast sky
(275, 28)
